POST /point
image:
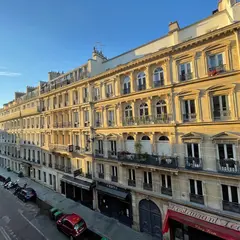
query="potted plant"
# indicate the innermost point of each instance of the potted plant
(138, 147)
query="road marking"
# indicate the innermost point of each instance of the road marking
(5, 235)
(21, 213)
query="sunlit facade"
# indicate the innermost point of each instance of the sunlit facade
(147, 137)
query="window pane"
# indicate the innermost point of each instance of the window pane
(196, 150)
(150, 177)
(199, 187)
(169, 181)
(221, 151)
(163, 181)
(225, 193)
(189, 150)
(234, 194)
(229, 151)
(192, 106)
(192, 186)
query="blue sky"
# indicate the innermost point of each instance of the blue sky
(40, 36)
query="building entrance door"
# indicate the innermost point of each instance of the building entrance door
(150, 218)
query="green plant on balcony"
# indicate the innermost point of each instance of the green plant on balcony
(138, 147)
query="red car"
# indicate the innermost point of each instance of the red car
(72, 225)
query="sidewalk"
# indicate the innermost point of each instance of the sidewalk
(96, 222)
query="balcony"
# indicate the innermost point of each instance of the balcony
(157, 84)
(193, 163)
(50, 165)
(114, 178)
(101, 175)
(147, 186)
(196, 198)
(146, 120)
(96, 97)
(62, 125)
(231, 206)
(219, 115)
(186, 76)
(98, 124)
(111, 123)
(228, 166)
(68, 170)
(109, 94)
(141, 87)
(88, 175)
(10, 116)
(131, 183)
(112, 154)
(147, 159)
(99, 153)
(30, 111)
(166, 191)
(126, 91)
(212, 71)
(61, 148)
(189, 117)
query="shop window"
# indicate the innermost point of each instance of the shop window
(196, 191)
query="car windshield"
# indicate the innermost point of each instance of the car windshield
(78, 225)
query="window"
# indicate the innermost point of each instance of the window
(143, 110)
(230, 196)
(131, 177)
(79, 164)
(185, 71)
(216, 62)
(166, 185)
(86, 118)
(100, 146)
(141, 81)
(113, 148)
(220, 107)
(85, 94)
(192, 150)
(39, 175)
(161, 108)
(196, 191)
(147, 184)
(34, 172)
(128, 112)
(44, 177)
(226, 151)
(158, 77)
(76, 119)
(75, 97)
(114, 171)
(109, 91)
(96, 93)
(189, 111)
(110, 118)
(50, 179)
(98, 119)
(100, 168)
(126, 85)
(89, 167)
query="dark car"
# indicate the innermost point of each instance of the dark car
(27, 194)
(2, 178)
(72, 225)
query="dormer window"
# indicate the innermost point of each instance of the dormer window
(185, 71)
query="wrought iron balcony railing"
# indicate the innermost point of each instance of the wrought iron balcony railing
(229, 166)
(193, 163)
(231, 206)
(166, 191)
(196, 198)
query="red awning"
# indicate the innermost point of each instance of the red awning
(201, 225)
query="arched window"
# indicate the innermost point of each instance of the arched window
(145, 138)
(126, 85)
(143, 109)
(130, 138)
(161, 108)
(141, 81)
(163, 138)
(158, 77)
(128, 111)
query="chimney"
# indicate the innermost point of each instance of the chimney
(173, 26)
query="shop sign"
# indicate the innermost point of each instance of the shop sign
(204, 217)
(109, 186)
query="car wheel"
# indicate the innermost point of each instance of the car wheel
(58, 228)
(71, 238)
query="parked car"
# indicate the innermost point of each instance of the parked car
(27, 194)
(2, 178)
(72, 225)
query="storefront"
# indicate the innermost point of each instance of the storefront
(115, 202)
(187, 223)
(78, 190)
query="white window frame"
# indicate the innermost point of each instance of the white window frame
(189, 108)
(114, 170)
(185, 64)
(111, 115)
(216, 60)
(230, 193)
(166, 181)
(225, 151)
(192, 147)
(144, 107)
(128, 109)
(195, 186)
(101, 168)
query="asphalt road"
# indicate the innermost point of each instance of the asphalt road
(23, 221)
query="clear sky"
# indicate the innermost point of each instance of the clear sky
(39, 36)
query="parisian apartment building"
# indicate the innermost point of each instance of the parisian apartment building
(150, 137)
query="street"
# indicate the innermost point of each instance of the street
(23, 221)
